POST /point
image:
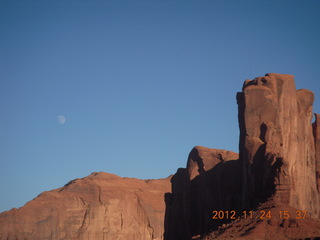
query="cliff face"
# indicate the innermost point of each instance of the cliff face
(278, 171)
(316, 133)
(210, 181)
(277, 150)
(101, 206)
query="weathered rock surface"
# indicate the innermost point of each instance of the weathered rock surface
(316, 134)
(281, 222)
(210, 181)
(101, 206)
(277, 150)
(278, 170)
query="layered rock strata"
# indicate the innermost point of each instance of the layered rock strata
(101, 206)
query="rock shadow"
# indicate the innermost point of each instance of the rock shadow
(190, 206)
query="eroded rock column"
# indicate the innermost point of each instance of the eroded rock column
(316, 134)
(277, 150)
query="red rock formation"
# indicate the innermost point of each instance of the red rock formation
(277, 144)
(281, 223)
(277, 171)
(203, 159)
(101, 206)
(210, 181)
(316, 133)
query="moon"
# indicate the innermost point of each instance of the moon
(61, 119)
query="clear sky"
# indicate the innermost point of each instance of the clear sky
(129, 87)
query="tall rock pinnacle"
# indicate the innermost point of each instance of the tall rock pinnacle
(277, 145)
(278, 171)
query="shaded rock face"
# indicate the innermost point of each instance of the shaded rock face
(278, 170)
(210, 181)
(316, 133)
(101, 206)
(277, 145)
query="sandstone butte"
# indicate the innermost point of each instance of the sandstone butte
(274, 180)
(101, 206)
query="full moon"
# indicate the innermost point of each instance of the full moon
(61, 119)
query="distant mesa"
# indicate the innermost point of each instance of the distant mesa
(270, 190)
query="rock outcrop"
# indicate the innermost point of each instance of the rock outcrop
(281, 222)
(271, 190)
(210, 181)
(316, 134)
(278, 171)
(277, 150)
(101, 206)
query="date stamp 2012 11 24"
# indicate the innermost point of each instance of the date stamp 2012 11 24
(258, 214)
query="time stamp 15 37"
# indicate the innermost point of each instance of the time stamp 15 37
(259, 214)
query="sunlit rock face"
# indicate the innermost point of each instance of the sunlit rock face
(278, 168)
(101, 206)
(277, 144)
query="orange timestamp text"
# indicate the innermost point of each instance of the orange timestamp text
(258, 214)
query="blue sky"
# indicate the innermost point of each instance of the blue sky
(139, 82)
